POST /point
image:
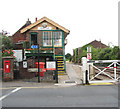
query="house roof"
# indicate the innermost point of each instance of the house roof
(25, 25)
(41, 20)
(97, 44)
(17, 35)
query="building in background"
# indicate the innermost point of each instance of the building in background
(78, 51)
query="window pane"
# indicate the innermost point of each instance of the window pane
(57, 39)
(47, 40)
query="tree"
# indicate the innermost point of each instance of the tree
(76, 55)
(115, 52)
(68, 57)
(6, 42)
(105, 54)
(119, 54)
(108, 53)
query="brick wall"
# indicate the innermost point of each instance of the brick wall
(18, 37)
(58, 51)
(24, 74)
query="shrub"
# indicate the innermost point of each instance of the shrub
(8, 53)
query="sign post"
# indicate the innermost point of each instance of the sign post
(56, 74)
(37, 46)
(89, 55)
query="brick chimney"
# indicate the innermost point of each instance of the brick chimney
(36, 19)
(28, 22)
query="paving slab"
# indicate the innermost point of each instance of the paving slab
(72, 74)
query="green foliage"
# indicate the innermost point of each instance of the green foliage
(83, 52)
(76, 55)
(95, 53)
(115, 53)
(85, 47)
(108, 53)
(6, 42)
(119, 54)
(104, 54)
(101, 54)
(68, 57)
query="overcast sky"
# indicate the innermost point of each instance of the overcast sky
(87, 20)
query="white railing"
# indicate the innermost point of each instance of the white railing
(86, 69)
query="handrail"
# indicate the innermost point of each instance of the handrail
(102, 61)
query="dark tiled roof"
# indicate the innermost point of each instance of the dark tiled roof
(18, 36)
(97, 44)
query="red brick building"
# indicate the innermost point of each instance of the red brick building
(95, 44)
(50, 36)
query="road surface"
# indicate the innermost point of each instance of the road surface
(72, 96)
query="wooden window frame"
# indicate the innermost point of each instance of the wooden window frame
(30, 37)
(49, 32)
(57, 36)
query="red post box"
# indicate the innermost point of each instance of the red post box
(41, 65)
(7, 66)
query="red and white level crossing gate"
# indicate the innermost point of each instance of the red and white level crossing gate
(91, 72)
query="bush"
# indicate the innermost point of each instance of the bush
(6, 43)
(68, 57)
(101, 54)
(8, 53)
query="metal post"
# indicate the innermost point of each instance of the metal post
(56, 73)
(87, 82)
(88, 72)
(115, 71)
(38, 65)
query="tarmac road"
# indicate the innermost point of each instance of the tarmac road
(72, 96)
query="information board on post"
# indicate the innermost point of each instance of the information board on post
(89, 55)
(51, 65)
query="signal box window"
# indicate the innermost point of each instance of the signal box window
(57, 39)
(33, 39)
(47, 38)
